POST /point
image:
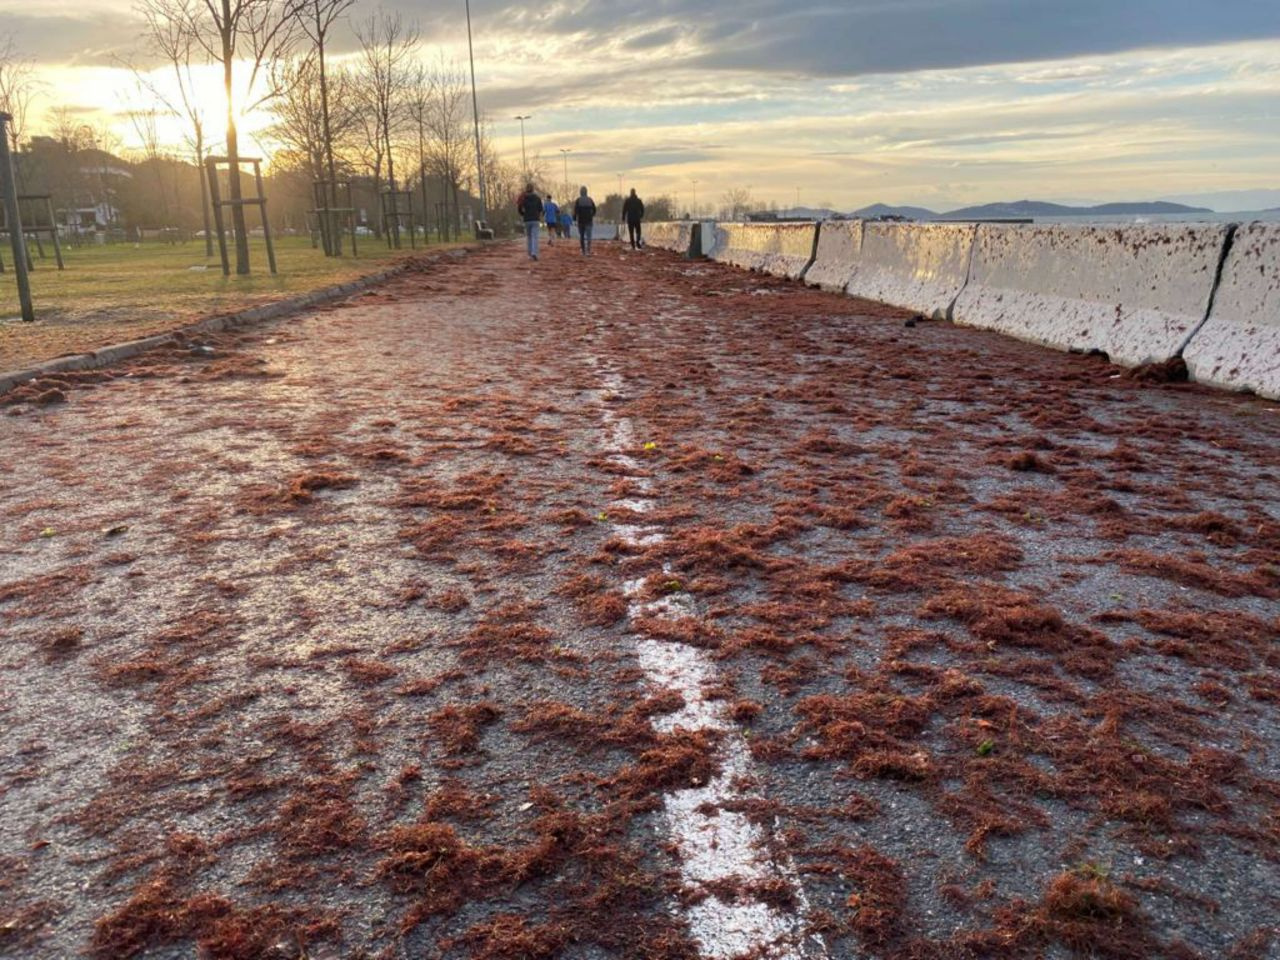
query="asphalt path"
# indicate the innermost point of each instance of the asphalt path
(628, 606)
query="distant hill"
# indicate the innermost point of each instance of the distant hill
(1039, 208)
(886, 210)
(808, 213)
(1233, 201)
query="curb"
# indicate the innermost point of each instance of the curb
(109, 355)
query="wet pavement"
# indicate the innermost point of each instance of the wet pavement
(628, 606)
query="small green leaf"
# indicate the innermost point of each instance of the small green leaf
(985, 748)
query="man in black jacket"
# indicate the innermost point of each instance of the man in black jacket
(633, 213)
(529, 206)
(584, 214)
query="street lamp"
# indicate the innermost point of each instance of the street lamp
(619, 184)
(694, 208)
(475, 115)
(524, 161)
(564, 152)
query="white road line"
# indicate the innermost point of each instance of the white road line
(716, 845)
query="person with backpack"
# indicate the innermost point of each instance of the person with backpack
(529, 206)
(552, 213)
(633, 213)
(584, 214)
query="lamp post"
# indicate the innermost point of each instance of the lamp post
(694, 208)
(475, 115)
(524, 160)
(619, 184)
(564, 152)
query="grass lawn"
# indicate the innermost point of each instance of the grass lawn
(109, 294)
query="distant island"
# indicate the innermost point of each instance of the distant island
(1027, 209)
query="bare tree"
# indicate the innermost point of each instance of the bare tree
(503, 182)
(387, 46)
(448, 149)
(419, 99)
(299, 126)
(18, 87)
(65, 126)
(735, 203)
(250, 35)
(168, 38)
(145, 120)
(317, 18)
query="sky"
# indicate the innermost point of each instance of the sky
(940, 103)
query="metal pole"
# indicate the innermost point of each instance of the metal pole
(524, 160)
(475, 116)
(565, 153)
(10, 187)
(694, 210)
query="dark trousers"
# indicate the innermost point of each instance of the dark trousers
(633, 229)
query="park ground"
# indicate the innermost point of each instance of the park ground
(112, 293)
(628, 606)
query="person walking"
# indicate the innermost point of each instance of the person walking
(633, 213)
(566, 224)
(529, 206)
(584, 214)
(552, 213)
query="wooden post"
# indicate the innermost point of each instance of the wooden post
(352, 207)
(35, 232)
(266, 224)
(53, 228)
(9, 186)
(215, 198)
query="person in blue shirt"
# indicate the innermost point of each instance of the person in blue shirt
(566, 224)
(552, 213)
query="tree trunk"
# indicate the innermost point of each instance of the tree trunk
(204, 194)
(233, 145)
(422, 183)
(333, 231)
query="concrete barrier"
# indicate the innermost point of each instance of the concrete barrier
(1239, 345)
(707, 238)
(917, 266)
(671, 235)
(1135, 293)
(838, 254)
(782, 249)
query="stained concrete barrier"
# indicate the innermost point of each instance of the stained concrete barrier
(917, 266)
(671, 235)
(838, 254)
(707, 239)
(1135, 293)
(782, 249)
(1239, 345)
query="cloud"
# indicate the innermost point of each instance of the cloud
(662, 37)
(873, 37)
(83, 38)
